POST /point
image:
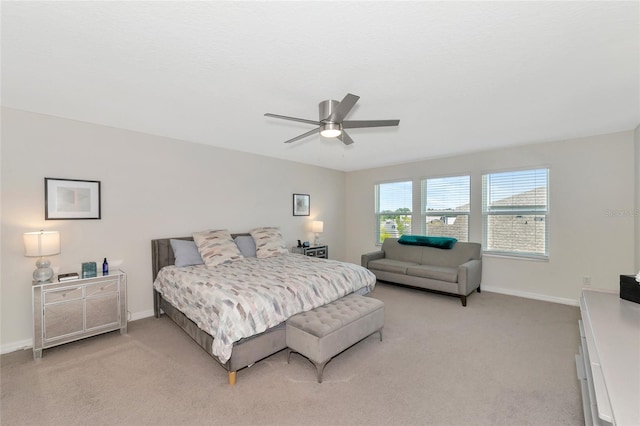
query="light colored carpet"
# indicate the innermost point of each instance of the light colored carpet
(502, 360)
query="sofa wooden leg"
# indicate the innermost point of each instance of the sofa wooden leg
(478, 289)
(463, 299)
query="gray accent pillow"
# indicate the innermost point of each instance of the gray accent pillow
(246, 245)
(186, 253)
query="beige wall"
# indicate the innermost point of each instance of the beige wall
(637, 187)
(591, 200)
(155, 187)
(152, 187)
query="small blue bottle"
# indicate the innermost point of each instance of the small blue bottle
(105, 267)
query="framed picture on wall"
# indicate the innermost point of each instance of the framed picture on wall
(301, 204)
(66, 199)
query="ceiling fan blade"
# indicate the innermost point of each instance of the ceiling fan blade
(369, 123)
(343, 108)
(304, 135)
(301, 120)
(345, 138)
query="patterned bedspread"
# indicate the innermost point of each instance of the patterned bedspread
(243, 298)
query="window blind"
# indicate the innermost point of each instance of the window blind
(515, 211)
(446, 206)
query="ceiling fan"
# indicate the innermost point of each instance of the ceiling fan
(332, 120)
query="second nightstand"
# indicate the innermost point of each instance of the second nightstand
(321, 252)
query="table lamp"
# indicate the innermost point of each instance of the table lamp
(317, 226)
(40, 244)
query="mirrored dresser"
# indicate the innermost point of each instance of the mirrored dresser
(64, 312)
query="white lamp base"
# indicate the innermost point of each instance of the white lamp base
(43, 272)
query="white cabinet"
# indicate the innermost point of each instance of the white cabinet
(608, 360)
(68, 311)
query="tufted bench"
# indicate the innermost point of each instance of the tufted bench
(324, 332)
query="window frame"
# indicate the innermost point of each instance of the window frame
(377, 213)
(514, 210)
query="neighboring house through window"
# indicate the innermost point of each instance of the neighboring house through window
(393, 209)
(445, 207)
(515, 209)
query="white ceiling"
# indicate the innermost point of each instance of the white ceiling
(460, 76)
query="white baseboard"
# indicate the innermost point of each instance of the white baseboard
(140, 315)
(527, 295)
(28, 343)
(16, 346)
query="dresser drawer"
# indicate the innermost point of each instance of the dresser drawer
(62, 295)
(103, 287)
(321, 253)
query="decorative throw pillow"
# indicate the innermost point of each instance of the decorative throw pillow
(246, 245)
(216, 247)
(186, 253)
(269, 242)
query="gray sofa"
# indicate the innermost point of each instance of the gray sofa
(456, 271)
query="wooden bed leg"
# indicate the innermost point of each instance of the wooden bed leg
(232, 377)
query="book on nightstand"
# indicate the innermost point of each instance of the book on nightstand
(68, 277)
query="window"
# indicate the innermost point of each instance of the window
(515, 209)
(393, 209)
(445, 207)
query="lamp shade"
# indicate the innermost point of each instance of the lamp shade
(317, 226)
(41, 243)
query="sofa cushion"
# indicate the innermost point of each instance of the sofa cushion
(393, 250)
(442, 273)
(391, 265)
(459, 254)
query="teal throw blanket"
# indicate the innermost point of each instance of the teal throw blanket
(420, 240)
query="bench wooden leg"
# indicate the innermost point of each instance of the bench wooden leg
(232, 377)
(464, 300)
(478, 289)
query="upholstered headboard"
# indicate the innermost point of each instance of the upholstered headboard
(162, 253)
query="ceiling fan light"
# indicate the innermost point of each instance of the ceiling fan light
(331, 130)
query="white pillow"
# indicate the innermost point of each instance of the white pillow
(269, 242)
(216, 247)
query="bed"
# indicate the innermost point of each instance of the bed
(235, 344)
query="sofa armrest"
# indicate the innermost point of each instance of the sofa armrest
(367, 257)
(469, 276)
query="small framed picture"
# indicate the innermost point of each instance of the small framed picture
(301, 204)
(71, 199)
